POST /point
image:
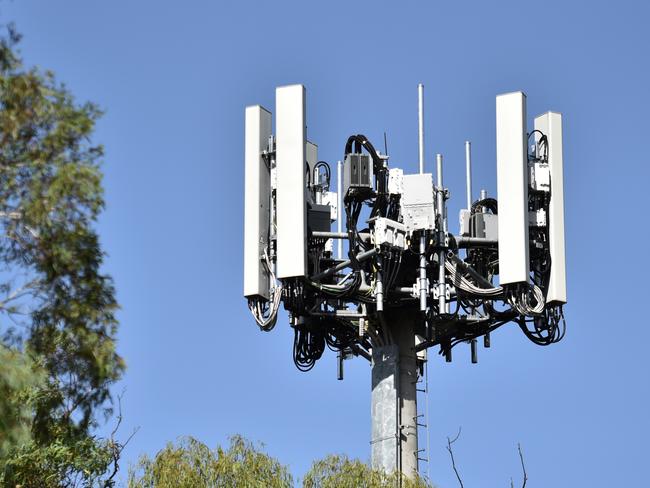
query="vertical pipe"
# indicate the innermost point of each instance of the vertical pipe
(339, 196)
(379, 285)
(316, 187)
(423, 273)
(468, 169)
(442, 300)
(421, 125)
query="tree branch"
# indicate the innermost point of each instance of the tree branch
(451, 454)
(117, 447)
(523, 467)
(26, 289)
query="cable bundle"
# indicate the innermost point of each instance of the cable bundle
(264, 311)
(527, 299)
(548, 329)
(308, 347)
(464, 284)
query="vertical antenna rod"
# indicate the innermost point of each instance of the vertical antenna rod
(442, 302)
(423, 260)
(468, 169)
(339, 197)
(421, 125)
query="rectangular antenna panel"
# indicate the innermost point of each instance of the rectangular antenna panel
(291, 193)
(512, 188)
(256, 201)
(550, 124)
(311, 154)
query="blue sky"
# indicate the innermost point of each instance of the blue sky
(174, 78)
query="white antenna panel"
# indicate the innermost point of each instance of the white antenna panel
(291, 191)
(512, 188)
(550, 124)
(311, 153)
(256, 201)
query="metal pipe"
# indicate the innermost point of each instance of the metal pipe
(344, 264)
(339, 313)
(468, 170)
(470, 271)
(318, 190)
(439, 171)
(339, 196)
(421, 126)
(423, 273)
(329, 235)
(365, 236)
(379, 286)
(465, 242)
(442, 298)
(361, 352)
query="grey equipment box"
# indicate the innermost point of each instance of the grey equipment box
(357, 175)
(485, 225)
(319, 218)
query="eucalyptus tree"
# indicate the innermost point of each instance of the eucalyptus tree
(57, 306)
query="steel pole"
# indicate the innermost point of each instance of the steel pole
(468, 170)
(421, 126)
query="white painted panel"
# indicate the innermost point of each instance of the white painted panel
(512, 188)
(550, 124)
(291, 193)
(256, 201)
(311, 154)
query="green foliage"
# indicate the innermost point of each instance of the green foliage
(18, 377)
(191, 463)
(336, 471)
(57, 309)
(61, 463)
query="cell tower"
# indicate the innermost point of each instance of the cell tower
(406, 283)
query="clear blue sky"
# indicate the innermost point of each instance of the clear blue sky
(174, 78)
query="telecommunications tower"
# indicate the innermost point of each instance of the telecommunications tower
(400, 280)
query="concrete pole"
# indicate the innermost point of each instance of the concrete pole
(394, 443)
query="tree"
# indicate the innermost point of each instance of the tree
(18, 377)
(192, 464)
(338, 471)
(57, 308)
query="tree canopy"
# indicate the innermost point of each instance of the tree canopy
(339, 471)
(190, 463)
(58, 354)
